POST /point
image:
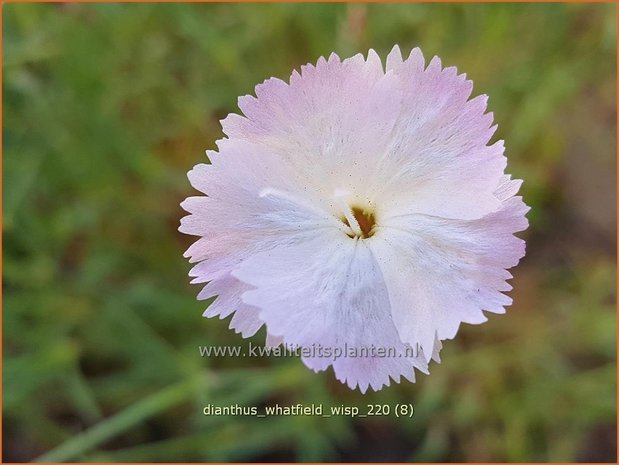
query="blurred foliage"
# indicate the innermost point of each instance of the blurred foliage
(107, 106)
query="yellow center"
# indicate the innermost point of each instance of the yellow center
(366, 222)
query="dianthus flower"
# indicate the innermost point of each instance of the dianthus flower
(357, 207)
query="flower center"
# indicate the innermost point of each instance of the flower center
(365, 220)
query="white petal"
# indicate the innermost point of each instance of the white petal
(438, 162)
(328, 124)
(394, 58)
(227, 292)
(273, 341)
(329, 291)
(443, 272)
(246, 321)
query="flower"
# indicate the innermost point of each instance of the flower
(357, 207)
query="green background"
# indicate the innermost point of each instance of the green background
(105, 109)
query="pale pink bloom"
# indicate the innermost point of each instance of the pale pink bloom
(357, 207)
